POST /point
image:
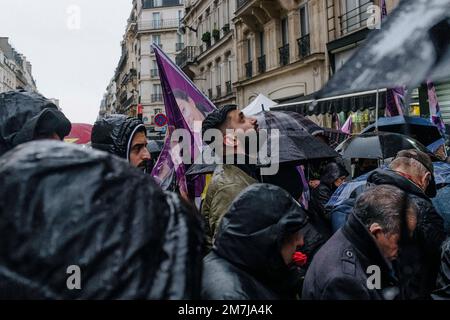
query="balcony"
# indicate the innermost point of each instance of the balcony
(179, 46)
(355, 19)
(210, 95)
(241, 3)
(284, 54)
(228, 87)
(304, 46)
(154, 73)
(150, 4)
(218, 91)
(145, 25)
(157, 97)
(249, 69)
(262, 64)
(186, 56)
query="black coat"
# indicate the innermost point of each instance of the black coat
(114, 134)
(443, 281)
(245, 262)
(339, 270)
(63, 205)
(419, 257)
(27, 115)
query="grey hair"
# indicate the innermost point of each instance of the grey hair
(383, 204)
(409, 165)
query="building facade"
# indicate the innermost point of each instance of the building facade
(15, 70)
(136, 81)
(209, 57)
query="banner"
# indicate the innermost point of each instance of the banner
(186, 108)
(435, 109)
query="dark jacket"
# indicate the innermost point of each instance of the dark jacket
(115, 133)
(62, 205)
(245, 262)
(319, 214)
(25, 116)
(442, 204)
(339, 269)
(419, 256)
(443, 281)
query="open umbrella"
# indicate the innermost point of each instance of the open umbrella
(381, 145)
(80, 134)
(294, 143)
(418, 128)
(411, 47)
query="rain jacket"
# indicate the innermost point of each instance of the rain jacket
(443, 281)
(339, 269)
(245, 262)
(115, 133)
(25, 116)
(227, 182)
(442, 204)
(419, 257)
(62, 205)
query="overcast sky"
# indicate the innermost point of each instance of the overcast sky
(71, 64)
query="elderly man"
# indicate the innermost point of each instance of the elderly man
(367, 244)
(125, 137)
(412, 171)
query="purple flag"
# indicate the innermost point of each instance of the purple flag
(435, 109)
(395, 98)
(186, 108)
(347, 126)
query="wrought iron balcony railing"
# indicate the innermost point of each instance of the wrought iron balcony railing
(304, 46)
(262, 64)
(249, 69)
(284, 54)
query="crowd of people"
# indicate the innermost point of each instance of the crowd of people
(253, 238)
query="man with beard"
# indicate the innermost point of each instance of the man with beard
(228, 179)
(124, 137)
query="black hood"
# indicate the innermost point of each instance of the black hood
(332, 172)
(27, 115)
(390, 177)
(252, 231)
(115, 133)
(64, 205)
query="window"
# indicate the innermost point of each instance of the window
(158, 111)
(284, 31)
(156, 38)
(157, 89)
(249, 50)
(157, 3)
(156, 20)
(180, 15)
(304, 21)
(354, 14)
(261, 43)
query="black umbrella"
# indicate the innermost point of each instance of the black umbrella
(293, 143)
(381, 145)
(418, 128)
(411, 47)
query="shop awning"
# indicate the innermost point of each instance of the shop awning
(349, 102)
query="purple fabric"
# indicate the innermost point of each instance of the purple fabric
(347, 126)
(184, 105)
(395, 97)
(435, 109)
